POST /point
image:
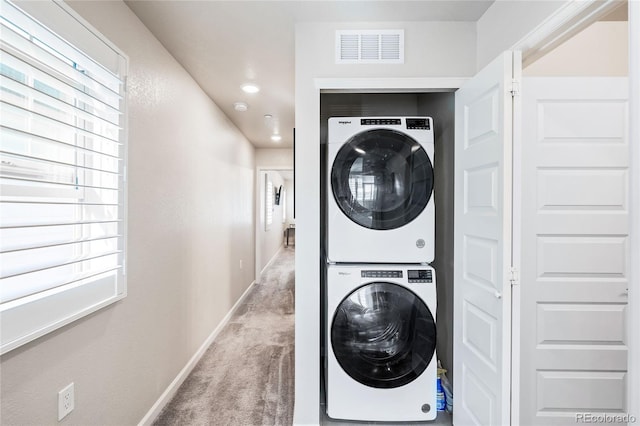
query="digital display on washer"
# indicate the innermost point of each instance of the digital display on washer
(381, 274)
(418, 123)
(420, 276)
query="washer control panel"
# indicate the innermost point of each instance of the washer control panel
(381, 274)
(420, 275)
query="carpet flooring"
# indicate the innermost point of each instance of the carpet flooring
(245, 377)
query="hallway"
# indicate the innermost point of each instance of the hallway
(246, 376)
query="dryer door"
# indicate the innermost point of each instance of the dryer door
(382, 179)
(383, 335)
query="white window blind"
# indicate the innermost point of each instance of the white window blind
(62, 178)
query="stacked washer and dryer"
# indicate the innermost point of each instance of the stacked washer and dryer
(380, 290)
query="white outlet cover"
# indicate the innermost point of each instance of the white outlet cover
(66, 401)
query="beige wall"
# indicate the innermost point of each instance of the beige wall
(432, 49)
(600, 50)
(275, 158)
(191, 221)
(270, 239)
(507, 22)
(288, 186)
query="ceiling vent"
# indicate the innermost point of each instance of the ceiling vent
(370, 47)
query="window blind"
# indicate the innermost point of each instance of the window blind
(62, 178)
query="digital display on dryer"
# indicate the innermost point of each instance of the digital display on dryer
(420, 276)
(418, 123)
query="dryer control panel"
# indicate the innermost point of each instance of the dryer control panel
(381, 274)
(411, 123)
(420, 275)
(418, 123)
(380, 122)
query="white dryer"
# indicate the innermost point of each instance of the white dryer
(381, 341)
(380, 206)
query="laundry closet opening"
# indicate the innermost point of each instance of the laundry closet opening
(440, 107)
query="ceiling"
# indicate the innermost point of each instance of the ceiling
(224, 44)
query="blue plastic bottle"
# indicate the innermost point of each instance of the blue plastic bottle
(441, 403)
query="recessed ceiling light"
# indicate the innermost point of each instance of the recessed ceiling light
(250, 88)
(276, 138)
(241, 106)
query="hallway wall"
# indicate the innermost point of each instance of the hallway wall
(270, 238)
(191, 222)
(507, 22)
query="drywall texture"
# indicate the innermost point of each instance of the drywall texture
(507, 22)
(289, 219)
(190, 210)
(270, 236)
(600, 50)
(274, 158)
(432, 49)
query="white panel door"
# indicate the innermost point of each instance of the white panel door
(575, 224)
(482, 226)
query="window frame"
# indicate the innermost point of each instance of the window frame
(29, 317)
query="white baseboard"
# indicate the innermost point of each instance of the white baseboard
(171, 390)
(272, 259)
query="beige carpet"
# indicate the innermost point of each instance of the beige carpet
(245, 377)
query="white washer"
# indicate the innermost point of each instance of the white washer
(381, 340)
(380, 206)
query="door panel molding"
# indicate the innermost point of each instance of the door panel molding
(574, 253)
(482, 245)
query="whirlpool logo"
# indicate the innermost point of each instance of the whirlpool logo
(344, 122)
(344, 273)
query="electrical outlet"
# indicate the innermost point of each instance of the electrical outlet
(240, 263)
(65, 401)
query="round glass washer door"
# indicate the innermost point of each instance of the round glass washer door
(382, 179)
(383, 335)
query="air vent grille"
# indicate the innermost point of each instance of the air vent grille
(370, 46)
(349, 47)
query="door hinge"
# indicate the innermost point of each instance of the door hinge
(515, 87)
(514, 277)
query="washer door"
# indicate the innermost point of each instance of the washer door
(382, 179)
(383, 335)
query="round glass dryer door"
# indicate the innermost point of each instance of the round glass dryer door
(383, 335)
(382, 179)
